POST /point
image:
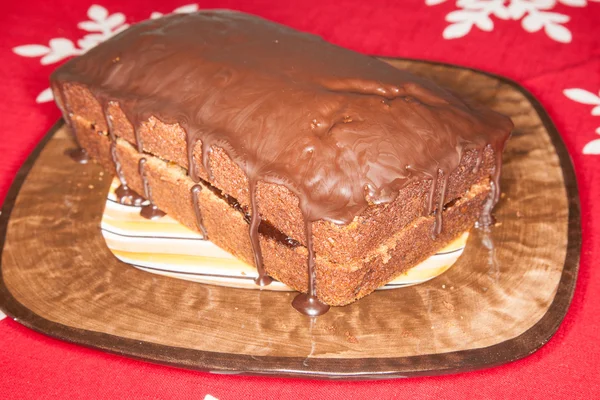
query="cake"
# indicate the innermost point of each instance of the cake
(328, 170)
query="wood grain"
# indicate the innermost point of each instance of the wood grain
(502, 300)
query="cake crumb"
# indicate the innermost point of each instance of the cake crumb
(449, 306)
(330, 329)
(90, 186)
(351, 338)
(443, 286)
(406, 334)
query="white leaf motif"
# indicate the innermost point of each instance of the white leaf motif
(155, 15)
(120, 29)
(90, 26)
(45, 96)
(97, 13)
(516, 10)
(473, 4)
(61, 48)
(501, 12)
(89, 41)
(596, 111)
(2, 315)
(598, 130)
(460, 16)
(558, 33)
(31, 50)
(457, 30)
(532, 23)
(556, 17)
(592, 147)
(582, 96)
(114, 20)
(574, 3)
(543, 4)
(61, 45)
(485, 23)
(188, 8)
(533, 14)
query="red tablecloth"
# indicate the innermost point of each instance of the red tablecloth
(550, 47)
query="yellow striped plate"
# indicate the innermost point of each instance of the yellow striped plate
(168, 248)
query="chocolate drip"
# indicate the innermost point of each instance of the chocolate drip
(438, 223)
(431, 197)
(190, 144)
(486, 218)
(196, 189)
(191, 140)
(206, 150)
(78, 154)
(149, 211)
(308, 303)
(480, 154)
(128, 196)
(125, 195)
(138, 138)
(263, 279)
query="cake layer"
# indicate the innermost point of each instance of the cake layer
(338, 283)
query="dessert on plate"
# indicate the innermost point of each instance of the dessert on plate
(328, 170)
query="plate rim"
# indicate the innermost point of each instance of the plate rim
(510, 350)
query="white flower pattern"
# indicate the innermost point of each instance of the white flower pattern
(2, 315)
(584, 97)
(534, 15)
(101, 26)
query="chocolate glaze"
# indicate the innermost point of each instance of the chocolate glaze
(78, 155)
(196, 189)
(125, 195)
(338, 129)
(308, 303)
(149, 211)
(263, 279)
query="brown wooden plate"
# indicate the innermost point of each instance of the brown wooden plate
(502, 300)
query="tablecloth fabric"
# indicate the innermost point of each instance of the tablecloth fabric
(550, 47)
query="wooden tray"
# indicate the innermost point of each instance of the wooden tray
(503, 299)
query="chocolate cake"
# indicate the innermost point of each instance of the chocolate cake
(328, 170)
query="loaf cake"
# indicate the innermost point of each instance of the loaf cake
(328, 170)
